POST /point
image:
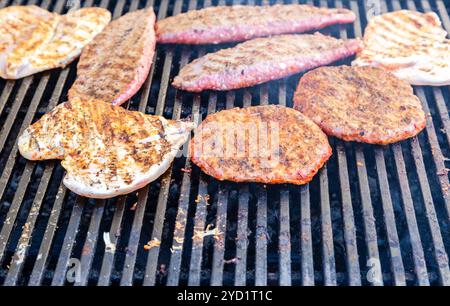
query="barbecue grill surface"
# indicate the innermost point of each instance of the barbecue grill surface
(370, 207)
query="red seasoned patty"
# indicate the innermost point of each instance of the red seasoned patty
(267, 144)
(362, 104)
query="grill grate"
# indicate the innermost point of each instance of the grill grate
(370, 206)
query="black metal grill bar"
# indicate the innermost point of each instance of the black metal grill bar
(366, 201)
(142, 194)
(261, 238)
(242, 241)
(221, 217)
(114, 232)
(59, 276)
(25, 178)
(389, 220)
(354, 273)
(284, 240)
(16, 264)
(89, 247)
(261, 218)
(90, 244)
(201, 212)
(221, 222)
(306, 238)
(5, 95)
(219, 238)
(388, 213)
(443, 112)
(40, 263)
(181, 219)
(328, 259)
(439, 249)
(438, 92)
(110, 251)
(195, 264)
(416, 243)
(152, 259)
(6, 129)
(438, 157)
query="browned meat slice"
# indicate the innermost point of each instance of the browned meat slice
(267, 144)
(411, 45)
(34, 40)
(106, 149)
(237, 23)
(362, 104)
(116, 63)
(263, 59)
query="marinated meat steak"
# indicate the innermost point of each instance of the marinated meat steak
(116, 63)
(106, 150)
(412, 45)
(364, 104)
(267, 144)
(237, 23)
(34, 40)
(262, 59)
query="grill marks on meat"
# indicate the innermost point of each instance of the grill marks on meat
(74, 31)
(261, 60)
(33, 40)
(267, 144)
(364, 104)
(411, 45)
(237, 23)
(106, 150)
(116, 63)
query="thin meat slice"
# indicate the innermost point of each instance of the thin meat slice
(116, 63)
(411, 45)
(237, 23)
(364, 104)
(74, 31)
(23, 30)
(106, 150)
(261, 60)
(268, 144)
(35, 40)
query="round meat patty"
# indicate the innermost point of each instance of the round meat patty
(267, 144)
(362, 104)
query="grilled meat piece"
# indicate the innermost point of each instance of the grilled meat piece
(262, 59)
(237, 23)
(411, 45)
(116, 63)
(267, 144)
(364, 104)
(34, 40)
(106, 150)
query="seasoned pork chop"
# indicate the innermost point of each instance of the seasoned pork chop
(116, 63)
(261, 60)
(237, 23)
(106, 150)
